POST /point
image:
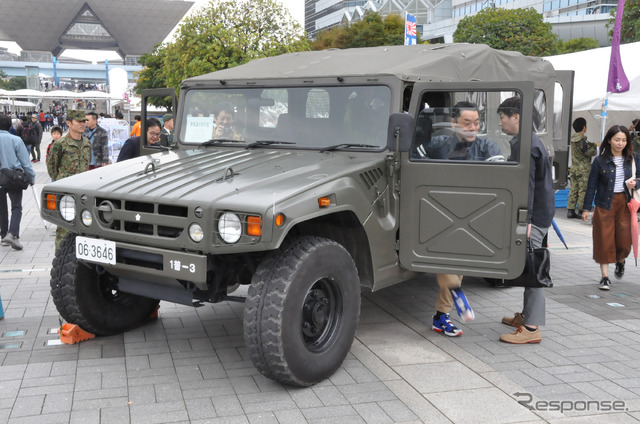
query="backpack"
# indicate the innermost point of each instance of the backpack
(27, 134)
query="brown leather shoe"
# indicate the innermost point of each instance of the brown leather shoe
(515, 321)
(522, 336)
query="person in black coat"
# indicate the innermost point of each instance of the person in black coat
(131, 147)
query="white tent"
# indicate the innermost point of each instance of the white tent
(590, 86)
(59, 94)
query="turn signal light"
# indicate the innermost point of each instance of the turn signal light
(51, 202)
(279, 220)
(254, 226)
(324, 202)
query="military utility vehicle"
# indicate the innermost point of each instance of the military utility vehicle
(298, 176)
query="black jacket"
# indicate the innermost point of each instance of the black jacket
(130, 149)
(542, 203)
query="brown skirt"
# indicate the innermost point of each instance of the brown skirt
(612, 232)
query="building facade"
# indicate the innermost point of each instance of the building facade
(437, 20)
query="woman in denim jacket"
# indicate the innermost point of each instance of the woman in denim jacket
(610, 181)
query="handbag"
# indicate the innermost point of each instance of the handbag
(13, 179)
(537, 267)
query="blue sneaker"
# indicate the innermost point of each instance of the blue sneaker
(462, 305)
(445, 326)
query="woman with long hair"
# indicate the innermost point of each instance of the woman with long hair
(610, 181)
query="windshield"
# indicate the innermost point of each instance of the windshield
(310, 117)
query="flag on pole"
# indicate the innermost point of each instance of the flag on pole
(411, 33)
(617, 82)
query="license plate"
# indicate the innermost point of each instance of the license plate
(96, 250)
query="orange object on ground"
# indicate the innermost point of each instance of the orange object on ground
(71, 334)
(155, 313)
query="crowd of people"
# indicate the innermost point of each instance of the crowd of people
(78, 145)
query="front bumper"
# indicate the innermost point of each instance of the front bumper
(155, 264)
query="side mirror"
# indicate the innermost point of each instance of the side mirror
(400, 132)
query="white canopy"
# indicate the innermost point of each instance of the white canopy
(20, 103)
(592, 71)
(59, 94)
(590, 86)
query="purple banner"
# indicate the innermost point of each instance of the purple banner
(617, 82)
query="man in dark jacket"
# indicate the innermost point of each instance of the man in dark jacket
(37, 138)
(463, 143)
(99, 141)
(541, 208)
(24, 132)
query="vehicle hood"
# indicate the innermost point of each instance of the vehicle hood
(229, 176)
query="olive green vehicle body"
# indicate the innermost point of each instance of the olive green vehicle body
(394, 216)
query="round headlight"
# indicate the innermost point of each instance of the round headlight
(229, 227)
(87, 219)
(68, 208)
(195, 232)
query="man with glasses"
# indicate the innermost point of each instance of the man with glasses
(131, 147)
(462, 141)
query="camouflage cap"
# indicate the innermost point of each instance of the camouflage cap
(78, 115)
(167, 117)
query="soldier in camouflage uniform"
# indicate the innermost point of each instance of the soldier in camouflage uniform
(70, 155)
(582, 151)
(634, 130)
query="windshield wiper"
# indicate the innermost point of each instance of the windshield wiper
(218, 141)
(258, 143)
(340, 146)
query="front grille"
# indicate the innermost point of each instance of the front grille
(142, 217)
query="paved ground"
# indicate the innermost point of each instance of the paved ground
(190, 365)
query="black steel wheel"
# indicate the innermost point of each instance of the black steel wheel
(302, 311)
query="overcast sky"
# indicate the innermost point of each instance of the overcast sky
(296, 8)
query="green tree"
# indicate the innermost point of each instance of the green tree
(15, 83)
(521, 30)
(228, 33)
(152, 75)
(577, 45)
(371, 31)
(630, 30)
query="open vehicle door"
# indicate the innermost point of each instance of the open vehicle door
(465, 216)
(146, 149)
(562, 120)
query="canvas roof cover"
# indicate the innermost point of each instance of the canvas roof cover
(443, 62)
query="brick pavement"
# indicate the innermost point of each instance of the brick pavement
(190, 365)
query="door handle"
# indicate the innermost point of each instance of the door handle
(522, 216)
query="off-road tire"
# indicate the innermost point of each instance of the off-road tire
(309, 283)
(90, 300)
